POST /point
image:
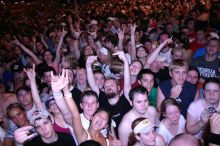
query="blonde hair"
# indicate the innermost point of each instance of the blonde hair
(177, 63)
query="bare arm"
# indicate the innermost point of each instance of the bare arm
(123, 131)
(34, 91)
(160, 98)
(90, 76)
(133, 47)
(80, 132)
(127, 78)
(59, 83)
(8, 142)
(43, 41)
(28, 51)
(194, 126)
(151, 58)
(120, 34)
(57, 57)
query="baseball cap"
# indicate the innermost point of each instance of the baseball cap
(104, 51)
(41, 113)
(93, 22)
(48, 101)
(144, 126)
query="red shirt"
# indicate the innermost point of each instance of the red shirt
(195, 45)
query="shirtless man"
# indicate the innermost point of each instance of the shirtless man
(5, 100)
(141, 108)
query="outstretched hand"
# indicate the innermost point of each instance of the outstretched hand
(23, 134)
(120, 34)
(16, 41)
(133, 28)
(90, 60)
(59, 82)
(31, 73)
(121, 55)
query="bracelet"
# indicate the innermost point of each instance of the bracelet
(214, 138)
(68, 95)
(57, 94)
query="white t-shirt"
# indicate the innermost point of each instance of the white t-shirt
(163, 131)
(85, 122)
(167, 55)
(30, 112)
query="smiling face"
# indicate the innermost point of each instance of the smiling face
(18, 117)
(111, 88)
(135, 67)
(212, 47)
(178, 75)
(192, 77)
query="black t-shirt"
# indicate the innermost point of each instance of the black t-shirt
(162, 75)
(118, 110)
(63, 140)
(76, 94)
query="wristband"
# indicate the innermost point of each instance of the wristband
(214, 138)
(57, 94)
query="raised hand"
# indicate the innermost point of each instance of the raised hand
(23, 134)
(69, 19)
(90, 60)
(16, 41)
(59, 82)
(121, 55)
(120, 34)
(93, 34)
(133, 28)
(31, 73)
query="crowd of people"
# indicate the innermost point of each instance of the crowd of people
(110, 73)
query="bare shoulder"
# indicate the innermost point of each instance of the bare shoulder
(160, 140)
(152, 110)
(127, 119)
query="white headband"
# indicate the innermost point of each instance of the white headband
(143, 127)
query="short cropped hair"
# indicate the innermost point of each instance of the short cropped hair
(178, 63)
(137, 90)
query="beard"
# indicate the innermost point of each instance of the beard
(110, 95)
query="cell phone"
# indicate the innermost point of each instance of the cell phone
(212, 110)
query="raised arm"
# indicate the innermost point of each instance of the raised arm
(120, 34)
(90, 76)
(43, 41)
(79, 131)
(59, 83)
(34, 91)
(57, 57)
(127, 78)
(28, 51)
(151, 58)
(133, 47)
